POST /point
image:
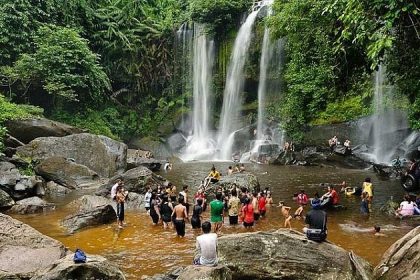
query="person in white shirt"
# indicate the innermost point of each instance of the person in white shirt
(147, 198)
(114, 188)
(206, 246)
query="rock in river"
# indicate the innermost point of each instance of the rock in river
(5, 200)
(402, 259)
(31, 205)
(103, 214)
(101, 154)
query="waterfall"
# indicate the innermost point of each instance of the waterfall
(200, 143)
(230, 117)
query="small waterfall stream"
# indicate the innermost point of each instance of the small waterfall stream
(230, 118)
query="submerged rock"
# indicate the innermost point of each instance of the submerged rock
(96, 267)
(402, 259)
(24, 250)
(100, 215)
(101, 154)
(29, 129)
(286, 254)
(65, 172)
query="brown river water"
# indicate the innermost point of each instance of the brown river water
(142, 249)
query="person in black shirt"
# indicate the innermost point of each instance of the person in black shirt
(316, 219)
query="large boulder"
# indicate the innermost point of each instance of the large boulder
(54, 189)
(65, 172)
(23, 250)
(96, 267)
(241, 180)
(136, 158)
(158, 148)
(29, 129)
(101, 154)
(135, 180)
(286, 254)
(31, 205)
(5, 200)
(100, 215)
(402, 259)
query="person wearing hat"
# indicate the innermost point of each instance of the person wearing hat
(316, 221)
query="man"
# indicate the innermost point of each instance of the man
(216, 212)
(234, 204)
(332, 195)
(255, 206)
(180, 213)
(213, 177)
(206, 246)
(316, 221)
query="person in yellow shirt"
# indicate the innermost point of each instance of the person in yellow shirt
(213, 177)
(368, 188)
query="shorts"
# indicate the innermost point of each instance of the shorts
(180, 227)
(248, 224)
(233, 220)
(214, 180)
(262, 213)
(256, 216)
(155, 217)
(120, 212)
(166, 218)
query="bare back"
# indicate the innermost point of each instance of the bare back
(180, 212)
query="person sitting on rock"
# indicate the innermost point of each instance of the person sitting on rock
(206, 247)
(406, 208)
(213, 177)
(242, 168)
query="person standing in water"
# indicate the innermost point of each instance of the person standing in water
(166, 210)
(196, 215)
(368, 188)
(120, 199)
(216, 212)
(234, 204)
(247, 213)
(180, 214)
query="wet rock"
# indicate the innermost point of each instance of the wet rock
(97, 216)
(135, 180)
(136, 158)
(31, 205)
(54, 189)
(402, 259)
(241, 180)
(285, 254)
(29, 129)
(284, 158)
(96, 267)
(9, 175)
(23, 250)
(101, 154)
(177, 142)
(89, 202)
(12, 142)
(5, 200)
(205, 273)
(65, 172)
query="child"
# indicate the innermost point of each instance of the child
(285, 211)
(364, 206)
(298, 212)
(376, 230)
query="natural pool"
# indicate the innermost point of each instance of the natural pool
(143, 249)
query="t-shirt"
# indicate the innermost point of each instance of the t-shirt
(368, 188)
(147, 197)
(215, 175)
(114, 190)
(316, 219)
(302, 198)
(207, 246)
(334, 196)
(407, 208)
(261, 204)
(248, 212)
(233, 206)
(216, 211)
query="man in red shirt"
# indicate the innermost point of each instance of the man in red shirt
(332, 195)
(261, 204)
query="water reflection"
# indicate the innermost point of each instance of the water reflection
(143, 249)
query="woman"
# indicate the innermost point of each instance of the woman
(248, 213)
(154, 209)
(406, 208)
(166, 210)
(120, 198)
(196, 216)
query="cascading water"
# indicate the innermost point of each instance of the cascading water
(230, 117)
(200, 143)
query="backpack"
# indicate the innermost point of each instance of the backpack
(79, 256)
